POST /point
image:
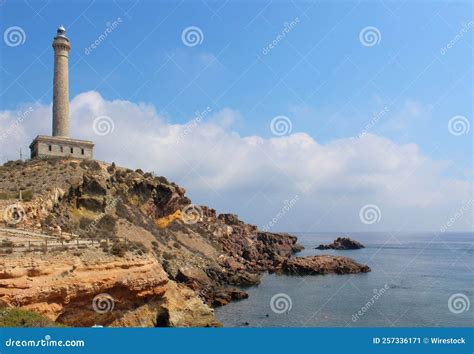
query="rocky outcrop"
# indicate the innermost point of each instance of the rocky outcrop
(89, 289)
(342, 243)
(322, 265)
(194, 262)
(145, 248)
(222, 298)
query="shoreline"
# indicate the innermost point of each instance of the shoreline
(428, 294)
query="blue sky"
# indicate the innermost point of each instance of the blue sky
(319, 75)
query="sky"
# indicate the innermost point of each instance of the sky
(295, 115)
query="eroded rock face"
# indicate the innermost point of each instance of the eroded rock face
(316, 265)
(92, 289)
(342, 243)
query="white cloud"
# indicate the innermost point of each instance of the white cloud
(253, 176)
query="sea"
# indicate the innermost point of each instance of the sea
(416, 280)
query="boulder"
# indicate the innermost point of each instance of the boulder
(224, 296)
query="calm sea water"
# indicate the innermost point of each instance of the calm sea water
(420, 273)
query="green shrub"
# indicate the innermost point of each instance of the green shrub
(105, 248)
(167, 255)
(118, 249)
(138, 247)
(27, 195)
(23, 318)
(6, 244)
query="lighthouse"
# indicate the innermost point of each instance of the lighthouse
(60, 144)
(61, 84)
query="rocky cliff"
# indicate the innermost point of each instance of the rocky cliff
(86, 288)
(88, 243)
(162, 260)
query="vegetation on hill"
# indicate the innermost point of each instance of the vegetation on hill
(11, 317)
